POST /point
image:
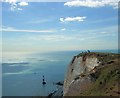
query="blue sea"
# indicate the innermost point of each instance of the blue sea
(22, 72)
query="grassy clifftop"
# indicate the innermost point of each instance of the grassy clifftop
(93, 74)
(106, 75)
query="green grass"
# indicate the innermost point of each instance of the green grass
(108, 77)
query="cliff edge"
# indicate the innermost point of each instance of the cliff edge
(93, 74)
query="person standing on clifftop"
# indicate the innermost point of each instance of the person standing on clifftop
(88, 51)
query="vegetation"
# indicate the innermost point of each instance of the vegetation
(107, 76)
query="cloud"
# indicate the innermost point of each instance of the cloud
(23, 3)
(104, 32)
(52, 37)
(63, 29)
(14, 5)
(11, 29)
(10, 1)
(71, 19)
(60, 38)
(39, 20)
(92, 3)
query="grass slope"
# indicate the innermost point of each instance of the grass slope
(107, 76)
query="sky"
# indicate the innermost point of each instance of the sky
(59, 26)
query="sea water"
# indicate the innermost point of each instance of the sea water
(22, 73)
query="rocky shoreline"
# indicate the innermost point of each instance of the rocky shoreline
(90, 74)
(59, 91)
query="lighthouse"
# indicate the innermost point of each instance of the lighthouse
(43, 81)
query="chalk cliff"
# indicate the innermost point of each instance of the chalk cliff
(85, 72)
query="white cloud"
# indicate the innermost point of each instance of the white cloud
(23, 3)
(70, 19)
(14, 5)
(103, 32)
(56, 38)
(11, 29)
(63, 29)
(19, 9)
(92, 3)
(61, 19)
(39, 20)
(10, 1)
(52, 37)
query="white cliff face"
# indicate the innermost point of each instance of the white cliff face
(91, 63)
(75, 68)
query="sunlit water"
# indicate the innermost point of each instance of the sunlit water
(22, 73)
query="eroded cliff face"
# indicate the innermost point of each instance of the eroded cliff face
(93, 74)
(78, 67)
